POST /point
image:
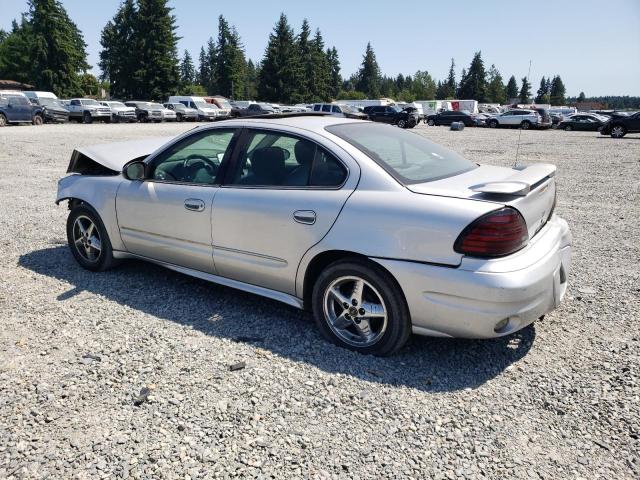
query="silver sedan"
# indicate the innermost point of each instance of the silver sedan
(378, 231)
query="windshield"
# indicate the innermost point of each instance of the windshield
(50, 102)
(116, 104)
(408, 157)
(90, 102)
(154, 105)
(264, 106)
(202, 104)
(223, 103)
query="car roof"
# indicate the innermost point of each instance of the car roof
(316, 123)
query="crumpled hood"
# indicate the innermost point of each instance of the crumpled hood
(114, 156)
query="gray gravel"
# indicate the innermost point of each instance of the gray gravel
(126, 374)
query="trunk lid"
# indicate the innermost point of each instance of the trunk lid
(529, 189)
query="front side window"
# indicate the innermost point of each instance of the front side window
(273, 159)
(17, 100)
(407, 157)
(326, 108)
(195, 159)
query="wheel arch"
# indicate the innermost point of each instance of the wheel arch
(323, 259)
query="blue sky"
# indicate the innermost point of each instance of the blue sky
(593, 44)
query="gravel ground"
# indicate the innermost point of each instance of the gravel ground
(557, 400)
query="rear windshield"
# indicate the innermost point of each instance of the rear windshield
(408, 157)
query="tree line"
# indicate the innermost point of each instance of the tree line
(139, 59)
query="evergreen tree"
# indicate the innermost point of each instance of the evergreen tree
(336, 79)
(280, 69)
(423, 86)
(303, 43)
(117, 62)
(204, 68)
(187, 70)
(250, 82)
(369, 74)
(557, 91)
(512, 88)
(441, 90)
(525, 91)
(582, 97)
(463, 78)
(211, 61)
(473, 85)
(15, 61)
(496, 92)
(543, 92)
(450, 86)
(156, 43)
(320, 80)
(229, 69)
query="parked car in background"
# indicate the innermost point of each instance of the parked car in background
(183, 113)
(146, 111)
(254, 109)
(545, 118)
(88, 110)
(345, 111)
(53, 110)
(556, 118)
(379, 232)
(222, 103)
(524, 119)
(168, 115)
(206, 111)
(447, 117)
(619, 125)
(15, 107)
(120, 113)
(582, 121)
(391, 114)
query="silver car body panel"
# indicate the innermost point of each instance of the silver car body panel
(248, 238)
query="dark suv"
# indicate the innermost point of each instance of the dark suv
(15, 107)
(393, 115)
(619, 125)
(447, 117)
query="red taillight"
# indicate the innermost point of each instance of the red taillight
(495, 234)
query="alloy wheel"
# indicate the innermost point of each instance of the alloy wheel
(355, 311)
(86, 239)
(617, 131)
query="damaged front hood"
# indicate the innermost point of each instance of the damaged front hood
(114, 156)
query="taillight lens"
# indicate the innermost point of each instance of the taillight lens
(495, 234)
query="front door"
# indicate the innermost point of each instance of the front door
(282, 195)
(167, 217)
(19, 109)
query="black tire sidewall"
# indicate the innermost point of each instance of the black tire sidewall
(86, 117)
(105, 261)
(3, 120)
(398, 319)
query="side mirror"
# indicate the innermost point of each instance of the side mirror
(134, 171)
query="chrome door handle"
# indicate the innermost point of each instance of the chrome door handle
(194, 204)
(308, 217)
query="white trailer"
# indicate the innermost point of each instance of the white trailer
(365, 103)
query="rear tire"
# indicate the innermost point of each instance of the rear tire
(568, 128)
(431, 122)
(525, 125)
(493, 124)
(373, 319)
(88, 239)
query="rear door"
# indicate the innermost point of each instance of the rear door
(167, 217)
(19, 109)
(283, 192)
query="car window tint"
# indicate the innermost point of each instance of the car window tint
(326, 108)
(273, 159)
(195, 159)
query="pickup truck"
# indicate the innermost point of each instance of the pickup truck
(15, 107)
(87, 110)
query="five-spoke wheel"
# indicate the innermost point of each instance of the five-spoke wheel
(88, 239)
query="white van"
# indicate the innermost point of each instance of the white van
(38, 95)
(206, 111)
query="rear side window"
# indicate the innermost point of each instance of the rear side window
(326, 108)
(274, 159)
(407, 157)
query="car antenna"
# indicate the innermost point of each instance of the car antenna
(520, 132)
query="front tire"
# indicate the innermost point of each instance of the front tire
(86, 118)
(568, 128)
(493, 124)
(618, 131)
(402, 123)
(88, 239)
(431, 122)
(525, 125)
(359, 306)
(38, 120)
(3, 120)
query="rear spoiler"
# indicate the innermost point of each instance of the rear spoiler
(521, 182)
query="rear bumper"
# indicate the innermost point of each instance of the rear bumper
(471, 300)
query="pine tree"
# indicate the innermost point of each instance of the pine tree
(463, 78)
(303, 44)
(542, 95)
(450, 86)
(250, 82)
(15, 59)
(336, 79)
(187, 70)
(56, 48)
(204, 68)
(582, 97)
(525, 91)
(156, 43)
(320, 80)
(211, 60)
(557, 91)
(229, 69)
(116, 60)
(369, 74)
(496, 92)
(512, 88)
(280, 68)
(473, 85)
